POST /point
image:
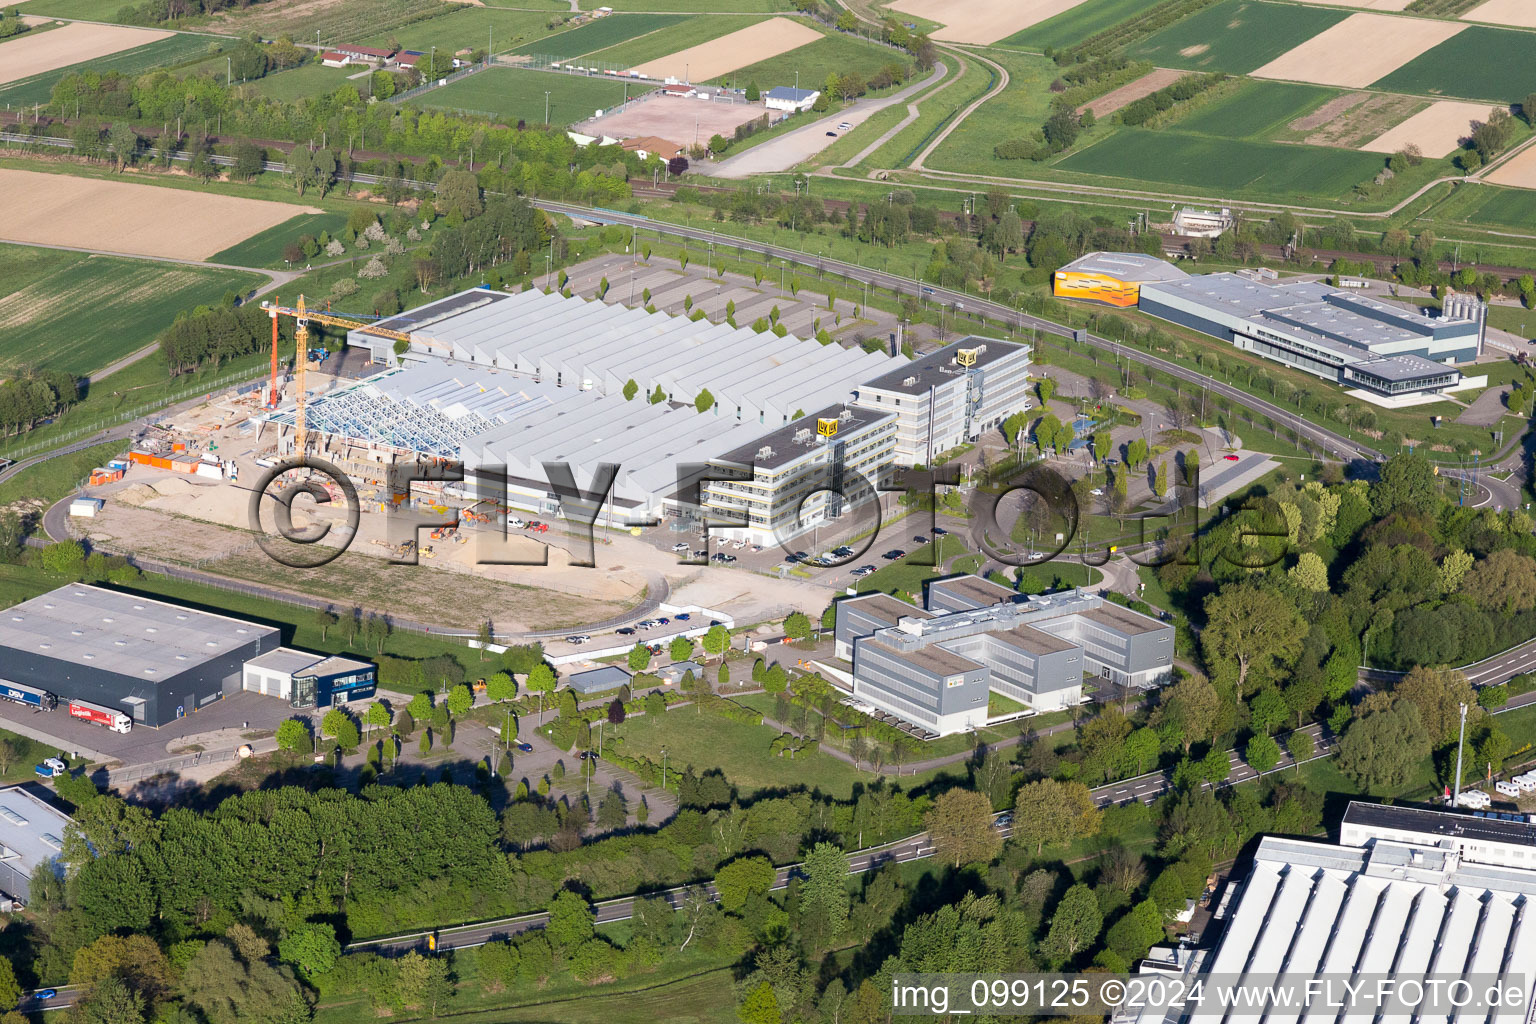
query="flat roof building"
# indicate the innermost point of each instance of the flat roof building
(946, 398)
(31, 837)
(934, 667)
(599, 680)
(308, 680)
(1113, 278)
(149, 659)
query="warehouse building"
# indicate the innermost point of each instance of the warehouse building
(308, 680)
(31, 838)
(148, 659)
(1383, 350)
(934, 667)
(951, 396)
(1406, 892)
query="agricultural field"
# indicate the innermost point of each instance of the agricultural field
(1437, 130)
(265, 249)
(57, 303)
(129, 218)
(513, 95)
(596, 35)
(1519, 172)
(1072, 26)
(1480, 64)
(704, 6)
(982, 21)
(815, 61)
(1359, 50)
(340, 21)
(1225, 164)
(1348, 120)
(468, 28)
(162, 51)
(770, 39)
(691, 32)
(307, 80)
(1235, 36)
(1255, 110)
(1518, 13)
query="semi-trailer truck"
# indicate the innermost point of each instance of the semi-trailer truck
(114, 720)
(28, 695)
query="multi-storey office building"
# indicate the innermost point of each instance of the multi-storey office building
(951, 396)
(933, 667)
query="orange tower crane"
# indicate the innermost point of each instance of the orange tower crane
(302, 318)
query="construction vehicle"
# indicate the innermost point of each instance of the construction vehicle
(303, 316)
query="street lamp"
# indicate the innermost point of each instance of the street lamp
(546, 107)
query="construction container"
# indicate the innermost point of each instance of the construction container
(102, 475)
(211, 470)
(148, 459)
(86, 507)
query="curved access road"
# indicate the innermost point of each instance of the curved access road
(1336, 444)
(995, 89)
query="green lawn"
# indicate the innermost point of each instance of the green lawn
(1236, 36)
(736, 748)
(678, 35)
(1255, 110)
(1226, 164)
(604, 32)
(467, 29)
(1015, 111)
(815, 61)
(1073, 26)
(1506, 207)
(1478, 63)
(906, 575)
(160, 53)
(79, 312)
(24, 754)
(265, 249)
(306, 80)
(512, 95)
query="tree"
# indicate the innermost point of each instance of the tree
(825, 892)
(459, 192)
(959, 824)
(311, 947)
(797, 626)
(741, 880)
(229, 990)
(1262, 753)
(704, 401)
(1188, 712)
(716, 642)
(1267, 711)
(612, 813)
(500, 686)
(324, 619)
(681, 649)
(1136, 452)
(658, 396)
(64, 558)
(293, 735)
(124, 142)
(1253, 627)
(111, 1001)
(639, 657)
(1074, 926)
(1309, 573)
(1048, 811)
(339, 725)
(377, 716)
(1407, 484)
(1300, 746)
(10, 989)
(1381, 749)
(616, 712)
(1160, 479)
(541, 678)
(760, 1006)
(1504, 581)
(1489, 697)
(753, 95)
(677, 165)
(460, 699)
(1102, 445)
(250, 160)
(1137, 931)
(570, 922)
(1437, 694)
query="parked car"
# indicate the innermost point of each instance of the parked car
(1097, 492)
(578, 639)
(525, 748)
(844, 126)
(863, 570)
(626, 631)
(833, 134)
(842, 552)
(50, 767)
(681, 545)
(682, 616)
(939, 531)
(662, 620)
(515, 523)
(1003, 820)
(894, 554)
(919, 539)
(1230, 458)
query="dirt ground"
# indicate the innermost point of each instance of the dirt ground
(1519, 13)
(983, 21)
(1520, 171)
(1351, 120)
(736, 50)
(33, 54)
(1130, 92)
(1359, 50)
(125, 217)
(676, 120)
(1371, 5)
(1436, 130)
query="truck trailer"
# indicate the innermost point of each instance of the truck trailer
(28, 695)
(114, 720)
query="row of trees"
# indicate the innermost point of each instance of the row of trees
(31, 396)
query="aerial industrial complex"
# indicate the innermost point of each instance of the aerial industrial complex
(153, 662)
(1384, 351)
(492, 379)
(1407, 892)
(933, 667)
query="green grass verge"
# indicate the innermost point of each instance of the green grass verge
(1478, 63)
(134, 61)
(1014, 112)
(1073, 26)
(25, 753)
(1256, 109)
(1503, 207)
(1236, 36)
(604, 32)
(60, 304)
(307, 80)
(679, 35)
(1201, 162)
(815, 61)
(265, 249)
(57, 478)
(512, 95)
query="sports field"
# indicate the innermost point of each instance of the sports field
(513, 95)
(1073, 26)
(599, 34)
(1480, 63)
(77, 312)
(265, 248)
(37, 88)
(1215, 163)
(1255, 110)
(1235, 36)
(690, 32)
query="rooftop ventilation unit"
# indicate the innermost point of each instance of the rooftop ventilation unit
(803, 436)
(765, 452)
(907, 382)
